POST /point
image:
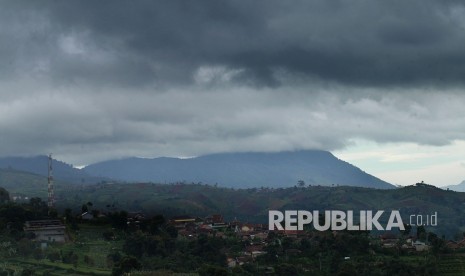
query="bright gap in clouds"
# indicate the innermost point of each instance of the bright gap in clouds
(408, 163)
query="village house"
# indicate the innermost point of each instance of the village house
(247, 228)
(254, 250)
(216, 221)
(389, 240)
(420, 246)
(456, 245)
(181, 222)
(135, 219)
(238, 261)
(86, 216)
(46, 230)
(217, 218)
(261, 236)
(452, 244)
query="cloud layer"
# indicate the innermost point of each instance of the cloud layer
(91, 81)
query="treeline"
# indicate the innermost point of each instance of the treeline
(13, 216)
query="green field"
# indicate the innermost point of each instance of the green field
(89, 246)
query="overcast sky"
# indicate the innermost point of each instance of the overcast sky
(381, 84)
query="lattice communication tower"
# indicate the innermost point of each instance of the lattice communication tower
(51, 196)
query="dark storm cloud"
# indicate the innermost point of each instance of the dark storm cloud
(355, 42)
(93, 80)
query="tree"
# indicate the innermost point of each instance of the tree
(125, 265)
(171, 231)
(54, 256)
(108, 235)
(119, 220)
(347, 269)
(95, 213)
(136, 244)
(68, 215)
(37, 207)
(113, 258)
(437, 243)
(4, 196)
(26, 247)
(207, 269)
(155, 224)
(407, 230)
(27, 272)
(70, 258)
(421, 233)
(88, 260)
(53, 213)
(286, 269)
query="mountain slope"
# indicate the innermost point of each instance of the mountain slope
(39, 165)
(242, 170)
(458, 188)
(29, 184)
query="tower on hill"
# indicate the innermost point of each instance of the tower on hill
(51, 197)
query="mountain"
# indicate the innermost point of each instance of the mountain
(39, 165)
(458, 188)
(241, 170)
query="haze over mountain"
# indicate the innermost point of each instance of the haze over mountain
(38, 165)
(458, 188)
(241, 170)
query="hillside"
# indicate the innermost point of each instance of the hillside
(155, 242)
(28, 184)
(241, 170)
(38, 165)
(245, 204)
(253, 204)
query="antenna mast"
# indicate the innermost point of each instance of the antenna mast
(51, 197)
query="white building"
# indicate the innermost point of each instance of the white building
(46, 230)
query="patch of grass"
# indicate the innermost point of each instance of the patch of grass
(57, 267)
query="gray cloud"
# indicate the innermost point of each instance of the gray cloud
(97, 80)
(354, 42)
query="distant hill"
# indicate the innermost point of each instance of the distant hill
(458, 188)
(39, 165)
(28, 184)
(241, 170)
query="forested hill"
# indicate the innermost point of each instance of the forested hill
(253, 204)
(246, 204)
(242, 170)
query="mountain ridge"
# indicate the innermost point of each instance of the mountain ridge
(241, 170)
(39, 165)
(458, 187)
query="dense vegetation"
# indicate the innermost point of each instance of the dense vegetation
(253, 204)
(245, 204)
(107, 246)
